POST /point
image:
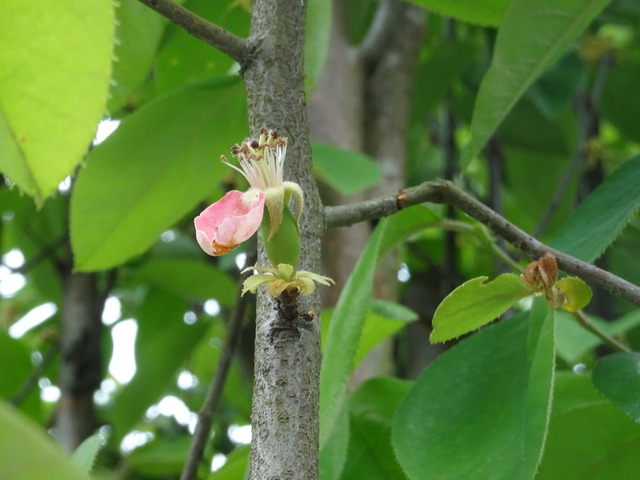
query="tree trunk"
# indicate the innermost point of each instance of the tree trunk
(287, 351)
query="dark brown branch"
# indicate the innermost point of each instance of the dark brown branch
(226, 42)
(447, 193)
(212, 400)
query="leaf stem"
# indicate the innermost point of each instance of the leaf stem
(598, 332)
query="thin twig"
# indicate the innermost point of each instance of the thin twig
(210, 405)
(380, 31)
(44, 254)
(447, 193)
(226, 42)
(602, 335)
(37, 372)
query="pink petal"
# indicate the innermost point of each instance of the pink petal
(229, 221)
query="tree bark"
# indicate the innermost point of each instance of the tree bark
(285, 426)
(81, 359)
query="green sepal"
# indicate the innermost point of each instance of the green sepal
(284, 245)
(252, 282)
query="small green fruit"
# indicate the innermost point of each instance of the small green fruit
(284, 246)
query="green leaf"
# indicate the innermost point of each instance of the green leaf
(437, 74)
(316, 40)
(526, 128)
(371, 411)
(555, 89)
(161, 457)
(617, 376)
(532, 37)
(55, 65)
(188, 279)
(407, 222)
(480, 410)
(577, 293)
(15, 353)
(27, 452)
(139, 30)
(162, 344)
(589, 439)
(151, 171)
(184, 59)
(602, 216)
(383, 321)
(474, 304)
(346, 171)
(333, 454)
(478, 12)
(344, 333)
(573, 342)
(617, 105)
(85, 455)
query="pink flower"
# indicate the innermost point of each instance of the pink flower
(230, 221)
(237, 216)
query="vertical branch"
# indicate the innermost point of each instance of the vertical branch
(80, 358)
(448, 144)
(587, 112)
(394, 42)
(285, 426)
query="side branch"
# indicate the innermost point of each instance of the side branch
(214, 392)
(226, 42)
(379, 34)
(447, 193)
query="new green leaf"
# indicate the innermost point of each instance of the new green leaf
(474, 304)
(577, 293)
(55, 65)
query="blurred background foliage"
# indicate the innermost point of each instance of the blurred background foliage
(122, 221)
